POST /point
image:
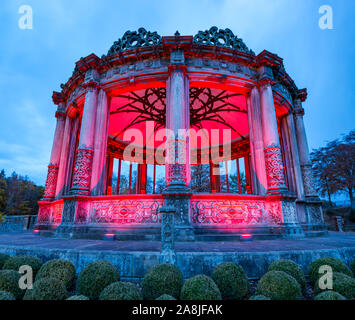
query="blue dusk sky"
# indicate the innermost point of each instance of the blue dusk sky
(35, 62)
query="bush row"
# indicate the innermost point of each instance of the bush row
(284, 280)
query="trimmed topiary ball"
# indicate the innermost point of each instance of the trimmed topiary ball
(231, 281)
(95, 277)
(163, 278)
(329, 295)
(342, 284)
(14, 263)
(278, 285)
(336, 265)
(47, 289)
(121, 291)
(4, 295)
(259, 297)
(200, 287)
(59, 269)
(3, 258)
(165, 297)
(78, 298)
(290, 268)
(9, 282)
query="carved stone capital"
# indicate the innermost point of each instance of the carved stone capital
(177, 68)
(265, 81)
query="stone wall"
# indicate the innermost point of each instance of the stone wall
(18, 223)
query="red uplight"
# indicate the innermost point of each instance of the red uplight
(36, 231)
(246, 235)
(109, 234)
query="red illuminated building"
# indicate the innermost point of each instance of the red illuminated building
(211, 83)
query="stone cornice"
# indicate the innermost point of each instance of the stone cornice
(92, 61)
(302, 94)
(267, 58)
(177, 42)
(57, 97)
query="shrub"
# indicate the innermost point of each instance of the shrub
(4, 295)
(59, 269)
(290, 268)
(47, 289)
(352, 267)
(9, 282)
(200, 287)
(231, 280)
(336, 265)
(329, 295)
(14, 263)
(342, 284)
(165, 297)
(121, 291)
(95, 277)
(279, 285)
(3, 258)
(81, 297)
(163, 278)
(259, 297)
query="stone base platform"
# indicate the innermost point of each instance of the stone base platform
(135, 258)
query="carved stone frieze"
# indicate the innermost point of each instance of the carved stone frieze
(126, 211)
(235, 212)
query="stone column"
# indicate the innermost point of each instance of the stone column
(256, 143)
(306, 165)
(177, 193)
(177, 118)
(85, 151)
(287, 155)
(72, 152)
(273, 158)
(295, 156)
(100, 144)
(53, 168)
(64, 157)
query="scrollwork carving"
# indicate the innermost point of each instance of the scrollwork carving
(221, 38)
(82, 169)
(274, 167)
(126, 211)
(135, 39)
(51, 182)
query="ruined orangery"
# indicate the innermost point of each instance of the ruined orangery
(128, 109)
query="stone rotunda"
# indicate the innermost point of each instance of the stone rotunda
(242, 111)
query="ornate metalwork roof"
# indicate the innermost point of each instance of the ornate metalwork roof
(221, 38)
(135, 39)
(212, 37)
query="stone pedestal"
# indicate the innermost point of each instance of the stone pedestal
(168, 254)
